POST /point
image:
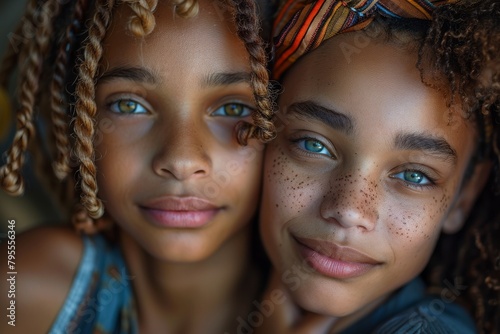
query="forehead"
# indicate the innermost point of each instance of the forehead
(208, 39)
(378, 86)
(346, 67)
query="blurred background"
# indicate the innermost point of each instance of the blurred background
(34, 207)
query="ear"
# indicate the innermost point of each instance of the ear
(467, 196)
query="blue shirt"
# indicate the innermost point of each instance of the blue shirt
(411, 310)
(100, 299)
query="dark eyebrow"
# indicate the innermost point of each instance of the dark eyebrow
(139, 74)
(332, 118)
(225, 79)
(424, 142)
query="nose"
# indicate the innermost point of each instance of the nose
(183, 152)
(351, 201)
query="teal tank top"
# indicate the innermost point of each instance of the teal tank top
(100, 299)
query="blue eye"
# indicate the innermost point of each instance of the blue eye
(314, 146)
(233, 110)
(414, 176)
(127, 106)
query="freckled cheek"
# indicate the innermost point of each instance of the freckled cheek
(288, 189)
(418, 227)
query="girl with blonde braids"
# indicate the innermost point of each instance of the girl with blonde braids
(158, 111)
(386, 164)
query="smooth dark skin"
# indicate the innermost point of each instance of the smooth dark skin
(352, 126)
(185, 280)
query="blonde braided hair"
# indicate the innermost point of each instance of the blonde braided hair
(77, 94)
(10, 173)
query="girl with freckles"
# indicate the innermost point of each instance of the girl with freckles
(387, 143)
(152, 120)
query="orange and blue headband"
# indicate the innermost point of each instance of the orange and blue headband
(301, 26)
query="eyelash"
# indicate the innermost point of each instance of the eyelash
(111, 106)
(297, 141)
(247, 110)
(431, 184)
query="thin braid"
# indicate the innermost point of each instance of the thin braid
(10, 173)
(143, 22)
(86, 108)
(59, 101)
(11, 57)
(186, 8)
(248, 27)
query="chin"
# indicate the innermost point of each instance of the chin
(314, 299)
(186, 258)
(183, 253)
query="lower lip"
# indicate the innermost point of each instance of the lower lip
(330, 267)
(181, 219)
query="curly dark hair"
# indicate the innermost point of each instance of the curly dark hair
(66, 50)
(462, 45)
(458, 54)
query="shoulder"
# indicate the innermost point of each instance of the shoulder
(45, 262)
(431, 315)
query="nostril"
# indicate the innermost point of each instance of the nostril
(201, 171)
(182, 166)
(182, 158)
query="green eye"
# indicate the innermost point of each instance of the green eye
(233, 110)
(127, 106)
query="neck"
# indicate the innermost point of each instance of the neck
(201, 297)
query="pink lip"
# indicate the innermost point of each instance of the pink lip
(180, 212)
(334, 261)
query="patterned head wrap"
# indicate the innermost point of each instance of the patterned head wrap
(301, 26)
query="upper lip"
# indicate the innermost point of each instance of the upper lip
(334, 251)
(175, 203)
